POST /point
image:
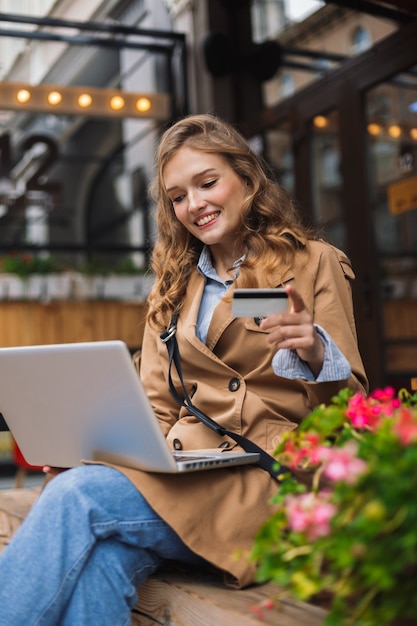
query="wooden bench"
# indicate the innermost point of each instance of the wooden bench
(177, 597)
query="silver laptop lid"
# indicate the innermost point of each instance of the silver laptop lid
(64, 402)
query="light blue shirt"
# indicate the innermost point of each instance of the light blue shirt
(285, 363)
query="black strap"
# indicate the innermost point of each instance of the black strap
(266, 461)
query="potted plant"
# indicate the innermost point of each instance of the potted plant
(28, 276)
(128, 281)
(48, 280)
(349, 539)
(88, 280)
(14, 269)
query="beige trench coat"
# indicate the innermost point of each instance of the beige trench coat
(218, 512)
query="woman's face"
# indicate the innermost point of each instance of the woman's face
(206, 194)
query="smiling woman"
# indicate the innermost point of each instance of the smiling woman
(222, 223)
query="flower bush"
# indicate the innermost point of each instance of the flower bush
(349, 539)
(23, 265)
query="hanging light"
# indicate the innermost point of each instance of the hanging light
(394, 131)
(413, 133)
(82, 100)
(374, 129)
(320, 121)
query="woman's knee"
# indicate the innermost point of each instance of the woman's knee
(78, 482)
(77, 477)
(95, 487)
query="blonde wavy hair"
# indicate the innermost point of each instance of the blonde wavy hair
(270, 232)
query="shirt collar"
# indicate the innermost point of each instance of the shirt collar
(205, 265)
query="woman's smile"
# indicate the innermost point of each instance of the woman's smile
(207, 219)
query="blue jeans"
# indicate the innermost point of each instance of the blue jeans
(85, 546)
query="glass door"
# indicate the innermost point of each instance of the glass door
(279, 154)
(327, 183)
(391, 125)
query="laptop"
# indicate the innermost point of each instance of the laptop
(65, 403)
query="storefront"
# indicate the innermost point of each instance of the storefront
(347, 147)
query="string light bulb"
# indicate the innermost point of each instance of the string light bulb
(394, 131)
(117, 103)
(374, 129)
(54, 98)
(23, 96)
(84, 100)
(320, 121)
(143, 105)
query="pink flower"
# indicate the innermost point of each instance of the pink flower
(342, 464)
(310, 513)
(405, 426)
(384, 395)
(304, 453)
(362, 413)
(366, 412)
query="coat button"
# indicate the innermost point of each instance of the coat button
(224, 445)
(177, 444)
(234, 384)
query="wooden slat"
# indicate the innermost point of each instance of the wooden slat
(15, 504)
(176, 599)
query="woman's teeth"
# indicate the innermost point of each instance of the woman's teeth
(207, 218)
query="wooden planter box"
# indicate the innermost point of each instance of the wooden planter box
(29, 323)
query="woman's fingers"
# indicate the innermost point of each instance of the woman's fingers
(294, 330)
(53, 471)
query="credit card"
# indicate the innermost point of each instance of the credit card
(258, 302)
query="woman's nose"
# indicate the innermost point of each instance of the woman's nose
(195, 200)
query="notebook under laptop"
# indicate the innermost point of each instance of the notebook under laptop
(65, 403)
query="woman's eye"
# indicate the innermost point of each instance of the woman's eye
(177, 199)
(210, 183)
